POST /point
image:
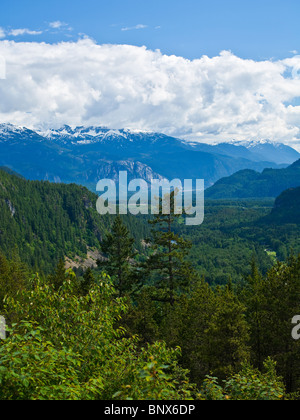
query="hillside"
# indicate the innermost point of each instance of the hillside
(47, 221)
(44, 222)
(252, 184)
(286, 209)
(86, 155)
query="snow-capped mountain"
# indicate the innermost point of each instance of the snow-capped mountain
(86, 154)
(9, 131)
(91, 135)
(254, 150)
(276, 152)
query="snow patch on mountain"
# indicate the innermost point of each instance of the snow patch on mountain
(8, 129)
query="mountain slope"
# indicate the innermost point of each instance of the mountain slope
(47, 221)
(275, 152)
(249, 184)
(85, 155)
(253, 150)
(286, 208)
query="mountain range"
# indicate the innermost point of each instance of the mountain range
(84, 155)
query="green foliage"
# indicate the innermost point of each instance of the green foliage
(65, 346)
(211, 330)
(160, 378)
(47, 222)
(13, 277)
(166, 265)
(32, 368)
(141, 318)
(272, 302)
(248, 385)
(234, 231)
(117, 247)
(76, 336)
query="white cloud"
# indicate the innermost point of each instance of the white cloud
(60, 25)
(57, 24)
(2, 33)
(24, 31)
(208, 99)
(136, 27)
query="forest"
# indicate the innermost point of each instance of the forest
(165, 313)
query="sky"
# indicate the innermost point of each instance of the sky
(210, 71)
(257, 29)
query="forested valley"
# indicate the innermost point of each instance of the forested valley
(146, 308)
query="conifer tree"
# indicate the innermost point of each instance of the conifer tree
(281, 291)
(167, 267)
(118, 248)
(227, 334)
(13, 275)
(253, 297)
(59, 276)
(88, 280)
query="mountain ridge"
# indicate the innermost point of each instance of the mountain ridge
(84, 155)
(252, 184)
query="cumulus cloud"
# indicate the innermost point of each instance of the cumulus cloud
(2, 33)
(208, 99)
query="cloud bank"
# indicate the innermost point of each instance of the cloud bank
(121, 86)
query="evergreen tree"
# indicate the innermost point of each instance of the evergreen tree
(59, 275)
(141, 317)
(166, 266)
(210, 328)
(281, 302)
(227, 334)
(118, 248)
(272, 302)
(13, 277)
(253, 297)
(88, 281)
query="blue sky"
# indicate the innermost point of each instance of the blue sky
(206, 71)
(258, 29)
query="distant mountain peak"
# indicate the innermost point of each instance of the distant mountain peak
(94, 134)
(277, 152)
(255, 142)
(9, 132)
(10, 128)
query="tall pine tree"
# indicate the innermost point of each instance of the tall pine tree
(166, 266)
(118, 248)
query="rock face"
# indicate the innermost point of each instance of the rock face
(11, 207)
(90, 262)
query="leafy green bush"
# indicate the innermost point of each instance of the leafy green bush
(65, 346)
(249, 384)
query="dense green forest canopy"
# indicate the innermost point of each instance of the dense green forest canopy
(44, 222)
